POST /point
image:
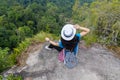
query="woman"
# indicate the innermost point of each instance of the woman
(69, 38)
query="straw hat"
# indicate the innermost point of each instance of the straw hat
(68, 32)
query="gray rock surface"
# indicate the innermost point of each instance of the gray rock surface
(95, 63)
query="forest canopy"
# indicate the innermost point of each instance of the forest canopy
(24, 18)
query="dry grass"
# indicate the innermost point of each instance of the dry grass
(115, 50)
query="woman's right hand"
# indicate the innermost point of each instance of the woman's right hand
(76, 26)
(47, 39)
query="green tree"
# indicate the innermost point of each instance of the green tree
(24, 32)
(48, 24)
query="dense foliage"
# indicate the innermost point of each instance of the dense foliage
(4, 61)
(24, 18)
(102, 17)
(21, 19)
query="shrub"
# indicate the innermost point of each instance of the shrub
(4, 60)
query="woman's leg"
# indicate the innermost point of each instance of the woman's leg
(56, 47)
(76, 50)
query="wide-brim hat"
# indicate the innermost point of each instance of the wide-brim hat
(68, 32)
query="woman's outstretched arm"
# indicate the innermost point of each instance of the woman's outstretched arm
(51, 42)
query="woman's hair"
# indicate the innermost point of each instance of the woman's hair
(70, 45)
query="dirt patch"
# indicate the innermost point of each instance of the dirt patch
(21, 60)
(115, 50)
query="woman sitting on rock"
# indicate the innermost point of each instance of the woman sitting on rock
(69, 38)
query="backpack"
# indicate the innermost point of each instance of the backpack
(70, 59)
(67, 54)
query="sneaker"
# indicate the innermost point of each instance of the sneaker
(46, 47)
